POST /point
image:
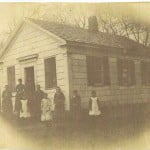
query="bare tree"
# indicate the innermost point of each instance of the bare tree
(110, 20)
(25, 11)
(125, 25)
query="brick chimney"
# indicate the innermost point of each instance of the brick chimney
(93, 24)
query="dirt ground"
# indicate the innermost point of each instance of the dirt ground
(108, 132)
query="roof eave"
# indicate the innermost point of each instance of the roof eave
(74, 43)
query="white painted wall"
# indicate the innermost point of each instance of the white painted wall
(31, 41)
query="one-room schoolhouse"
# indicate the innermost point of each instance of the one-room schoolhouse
(52, 54)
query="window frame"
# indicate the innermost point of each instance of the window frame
(54, 86)
(102, 71)
(129, 65)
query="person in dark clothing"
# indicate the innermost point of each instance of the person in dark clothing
(75, 106)
(20, 88)
(20, 92)
(7, 107)
(39, 95)
(59, 102)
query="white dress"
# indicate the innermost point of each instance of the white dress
(13, 103)
(95, 109)
(46, 110)
(24, 113)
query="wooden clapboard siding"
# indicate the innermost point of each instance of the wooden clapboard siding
(113, 93)
(31, 41)
(71, 67)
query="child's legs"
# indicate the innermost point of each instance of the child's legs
(93, 121)
(91, 118)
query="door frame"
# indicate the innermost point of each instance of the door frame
(27, 64)
(33, 76)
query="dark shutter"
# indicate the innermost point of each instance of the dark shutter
(148, 74)
(119, 66)
(90, 70)
(132, 72)
(106, 72)
(143, 73)
(50, 73)
(98, 71)
(47, 70)
(11, 78)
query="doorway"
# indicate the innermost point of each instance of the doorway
(29, 81)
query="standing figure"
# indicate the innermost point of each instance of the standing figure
(7, 107)
(76, 106)
(46, 107)
(24, 113)
(59, 102)
(39, 95)
(94, 108)
(20, 92)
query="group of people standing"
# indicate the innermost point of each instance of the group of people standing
(40, 106)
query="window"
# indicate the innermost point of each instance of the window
(145, 73)
(97, 71)
(126, 72)
(50, 72)
(11, 78)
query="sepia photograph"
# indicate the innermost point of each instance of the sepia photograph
(74, 76)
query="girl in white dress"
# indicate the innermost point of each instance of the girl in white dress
(24, 113)
(46, 107)
(94, 108)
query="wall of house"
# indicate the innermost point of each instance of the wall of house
(112, 94)
(29, 41)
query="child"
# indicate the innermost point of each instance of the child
(76, 105)
(94, 108)
(24, 113)
(46, 107)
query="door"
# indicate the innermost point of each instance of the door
(29, 81)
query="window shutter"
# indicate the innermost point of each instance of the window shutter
(146, 73)
(98, 70)
(46, 73)
(89, 70)
(119, 66)
(106, 72)
(132, 73)
(50, 73)
(11, 78)
(148, 76)
(143, 72)
(53, 66)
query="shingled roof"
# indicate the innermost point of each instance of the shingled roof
(76, 34)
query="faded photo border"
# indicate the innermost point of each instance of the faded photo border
(117, 60)
(75, 1)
